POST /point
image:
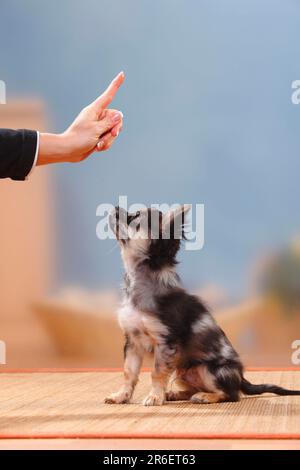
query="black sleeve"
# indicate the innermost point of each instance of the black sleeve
(17, 152)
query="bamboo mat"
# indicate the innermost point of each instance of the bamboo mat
(70, 404)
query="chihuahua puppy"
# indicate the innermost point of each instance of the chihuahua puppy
(159, 317)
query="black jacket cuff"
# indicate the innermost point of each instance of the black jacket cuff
(27, 155)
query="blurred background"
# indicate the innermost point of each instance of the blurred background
(208, 119)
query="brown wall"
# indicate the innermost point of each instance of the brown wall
(25, 244)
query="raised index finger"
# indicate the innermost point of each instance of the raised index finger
(106, 98)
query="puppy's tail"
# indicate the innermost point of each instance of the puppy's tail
(251, 389)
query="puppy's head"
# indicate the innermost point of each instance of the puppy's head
(148, 236)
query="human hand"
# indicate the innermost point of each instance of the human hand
(95, 128)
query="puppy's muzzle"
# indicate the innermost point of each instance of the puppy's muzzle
(118, 222)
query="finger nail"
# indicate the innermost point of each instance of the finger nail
(117, 117)
(100, 144)
(122, 115)
(120, 74)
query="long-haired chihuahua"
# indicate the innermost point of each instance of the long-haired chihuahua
(159, 317)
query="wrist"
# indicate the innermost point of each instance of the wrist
(53, 148)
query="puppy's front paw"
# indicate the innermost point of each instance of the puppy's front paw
(117, 398)
(153, 400)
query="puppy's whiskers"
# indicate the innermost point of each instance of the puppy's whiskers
(113, 248)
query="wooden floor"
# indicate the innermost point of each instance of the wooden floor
(148, 444)
(66, 410)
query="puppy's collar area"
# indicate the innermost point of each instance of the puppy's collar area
(160, 280)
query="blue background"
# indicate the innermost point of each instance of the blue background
(208, 119)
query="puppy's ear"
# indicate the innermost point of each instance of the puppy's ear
(173, 222)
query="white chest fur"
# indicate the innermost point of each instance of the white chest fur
(145, 326)
(130, 319)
